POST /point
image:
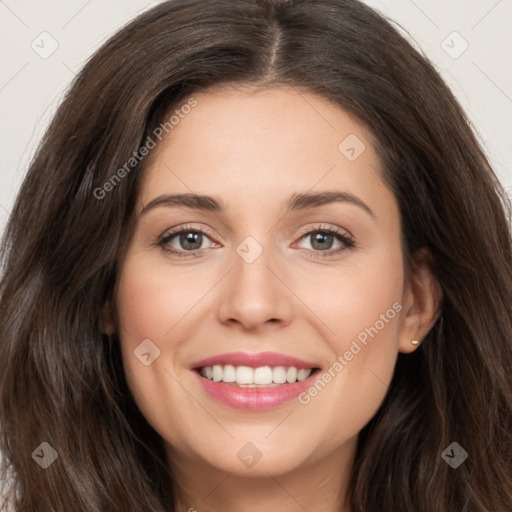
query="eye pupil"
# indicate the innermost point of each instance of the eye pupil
(189, 240)
(321, 239)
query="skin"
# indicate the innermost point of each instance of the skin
(252, 151)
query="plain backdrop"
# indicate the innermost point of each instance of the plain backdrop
(43, 44)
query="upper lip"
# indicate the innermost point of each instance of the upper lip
(253, 360)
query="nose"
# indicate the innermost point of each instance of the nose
(254, 296)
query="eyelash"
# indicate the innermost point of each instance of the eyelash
(346, 239)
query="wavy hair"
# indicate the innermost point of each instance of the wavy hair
(61, 378)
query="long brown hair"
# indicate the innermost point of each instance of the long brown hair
(61, 378)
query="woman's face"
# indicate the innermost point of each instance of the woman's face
(289, 266)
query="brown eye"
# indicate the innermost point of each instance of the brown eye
(321, 241)
(326, 241)
(191, 241)
(184, 241)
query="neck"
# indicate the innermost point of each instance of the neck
(321, 486)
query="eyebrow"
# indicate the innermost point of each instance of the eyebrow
(295, 202)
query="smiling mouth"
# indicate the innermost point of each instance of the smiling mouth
(259, 377)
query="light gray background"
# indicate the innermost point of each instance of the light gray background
(31, 86)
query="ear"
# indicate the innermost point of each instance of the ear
(421, 303)
(107, 320)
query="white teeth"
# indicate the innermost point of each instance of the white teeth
(229, 373)
(303, 374)
(245, 376)
(279, 374)
(217, 373)
(291, 375)
(263, 375)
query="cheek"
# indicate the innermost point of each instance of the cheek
(361, 307)
(149, 305)
(361, 301)
(151, 301)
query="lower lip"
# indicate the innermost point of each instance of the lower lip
(259, 398)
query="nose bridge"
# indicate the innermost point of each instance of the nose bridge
(252, 294)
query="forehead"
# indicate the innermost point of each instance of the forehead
(256, 148)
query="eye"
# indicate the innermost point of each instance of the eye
(188, 242)
(185, 241)
(327, 241)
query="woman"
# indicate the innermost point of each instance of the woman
(259, 262)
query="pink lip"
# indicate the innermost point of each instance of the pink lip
(254, 398)
(254, 360)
